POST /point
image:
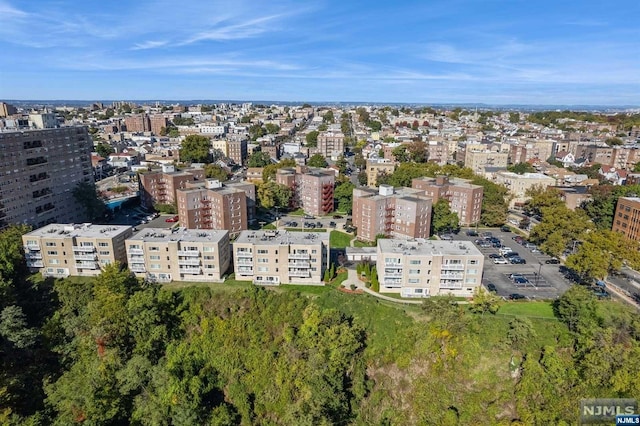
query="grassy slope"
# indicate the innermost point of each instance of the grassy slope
(339, 239)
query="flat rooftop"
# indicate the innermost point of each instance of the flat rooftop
(271, 237)
(179, 234)
(86, 230)
(422, 247)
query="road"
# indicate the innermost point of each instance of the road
(546, 281)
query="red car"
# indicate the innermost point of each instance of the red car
(172, 219)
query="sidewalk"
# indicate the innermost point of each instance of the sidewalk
(352, 278)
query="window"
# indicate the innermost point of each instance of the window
(263, 260)
(473, 262)
(207, 249)
(470, 281)
(263, 269)
(472, 271)
(414, 271)
(104, 252)
(154, 266)
(154, 248)
(415, 262)
(154, 257)
(52, 252)
(209, 257)
(102, 244)
(54, 262)
(49, 244)
(263, 251)
(32, 242)
(414, 280)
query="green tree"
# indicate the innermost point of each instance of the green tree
(541, 197)
(443, 219)
(272, 128)
(418, 151)
(514, 117)
(86, 196)
(343, 196)
(328, 117)
(104, 150)
(342, 164)
(213, 171)
(259, 159)
(270, 170)
(400, 153)
(520, 332)
(166, 208)
(614, 141)
(195, 149)
(271, 194)
(484, 301)
(559, 228)
(312, 139)
(521, 168)
(256, 131)
(317, 160)
(603, 252)
(577, 308)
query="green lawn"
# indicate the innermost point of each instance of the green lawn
(339, 239)
(358, 243)
(527, 309)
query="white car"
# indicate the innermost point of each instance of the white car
(504, 250)
(500, 261)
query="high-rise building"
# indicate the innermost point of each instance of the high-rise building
(156, 123)
(427, 268)
(159, 186)
(6, 110)
(478, 160)
(312, 188)
(331, 143)
(214, 206)
(138, 123)
(165, 255)
(39, 170)
(627, 217)
(61, 250)
(464, 198)
(281, 257)
(237, 151)
(405, 213)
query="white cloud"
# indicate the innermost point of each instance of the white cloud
(247, 29)
(150, 44)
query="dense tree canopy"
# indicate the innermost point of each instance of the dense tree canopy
(312, 138)
(521, 168)
(271, 194)
(104, 150)
(343, 196)
(87, 197)
(259, 159)
(195, 149)
(213, 171)
(317, 160)
(443, 219)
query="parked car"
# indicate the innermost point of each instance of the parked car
(492, 287)
(332, 224)
(309, 225)
(511, 254)
(517, 261)
(501, 261)
(172, 219)
(517, 296)
(514, 276)
(505, 228)
(521, 280)
(552, 261)
(485, 244)
(504, 250)
(318, 224)
(446, 237)
(308, 216)
(495, 256)
(293, 224)
(337, 216)
(472, 233)
(496, 245)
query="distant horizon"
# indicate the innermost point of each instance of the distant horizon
(456, 52)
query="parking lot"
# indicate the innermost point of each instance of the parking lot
(539, 280)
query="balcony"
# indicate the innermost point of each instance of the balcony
(33, 256)
(189, 262)
(35, 264)
(453, 267)
(299, 265)
(87, 265)
(244, 254)
(393, 275)
(86, 249)
(192, 271)
(244, 261)
(305, 273)
(189, 253)
(137, 267)
(85, 256)
(135, 251)
(32, 248)
(451, 276)
(302, 256)
(245, 270)
(392, 283)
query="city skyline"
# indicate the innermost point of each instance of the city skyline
(495, 52)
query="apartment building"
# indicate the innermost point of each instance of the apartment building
(464, 198)
(165, 255)
(438, 152)
(312, 188)
(237, 151)
(479, 160)
(160, 186)
(331, 143)
(378, 167)
(157, 122)
(61, 250)
(519, 184)
(281, 257)
(215, 206)
(526, 150)
(403, 213)
(7, 110)
(138, 123)
(627, 217)
(39, 169)
(601, 154)
(424, 268)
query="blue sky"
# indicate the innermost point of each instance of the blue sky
(490, 51)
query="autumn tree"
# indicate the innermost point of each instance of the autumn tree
(195, 149)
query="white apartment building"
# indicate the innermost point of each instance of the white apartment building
(61, 250)
(424, 268)
(277, 257)
(180, 254)
(518, 185)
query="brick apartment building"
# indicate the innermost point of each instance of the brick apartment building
(217, 206)
(281, 257)
(312, 188)
(237, 151)
(627, 217)
(61, 250)
(464, 198)
(165, 255)
(378, 167)
(405, 213)
(39, 170)
(138, 123)
(156, 123)
(160, 186)
(425, 268)
(330, 143)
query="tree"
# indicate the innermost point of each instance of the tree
(195, 149)
(577, 307)
(256, 131)
(342, 164)
(271, 194)
(363, 178)
(514, 117)
(374, 125)
(317, 160)
(484, 301)
(104, 150)
(213, 171)
(272, 128)
(312, 139)
(541, 197)
(343, 197)
(520, 332)
(443, 219)
(270, 170)
(179, 121)
(602, 252)
(559, 228)
(165, 208)
(259, 159)
(418, 151)
(86, 196)
(400, 153)
(614, 141)
(521, 168)
(328, 117)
